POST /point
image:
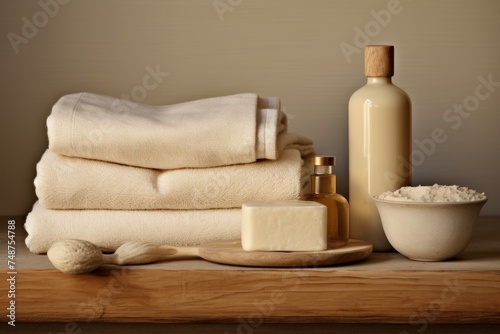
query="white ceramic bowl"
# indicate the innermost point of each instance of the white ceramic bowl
(425, 231)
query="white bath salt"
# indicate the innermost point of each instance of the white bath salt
(436, 193)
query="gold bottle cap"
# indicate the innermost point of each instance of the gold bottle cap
(379, 60)
(323, 160)
(322, 180)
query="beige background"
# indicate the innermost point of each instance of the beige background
(290, 49)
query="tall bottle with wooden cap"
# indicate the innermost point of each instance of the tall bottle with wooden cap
(379, 144)
(324, 190)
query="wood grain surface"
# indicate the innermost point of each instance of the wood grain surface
(386, 288)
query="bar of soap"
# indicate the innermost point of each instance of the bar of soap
(284, 226)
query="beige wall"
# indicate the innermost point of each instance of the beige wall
(290, 49)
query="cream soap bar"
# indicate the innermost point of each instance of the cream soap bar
(284, 226)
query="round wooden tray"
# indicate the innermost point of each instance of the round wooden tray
(230, 252)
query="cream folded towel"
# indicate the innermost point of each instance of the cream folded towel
(211, 132)
(74, 183)
(109, 229)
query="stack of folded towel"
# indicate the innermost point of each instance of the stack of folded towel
(117, 171)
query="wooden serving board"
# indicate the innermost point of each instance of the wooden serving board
(231, 252)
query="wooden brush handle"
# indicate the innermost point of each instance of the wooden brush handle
(142, 253)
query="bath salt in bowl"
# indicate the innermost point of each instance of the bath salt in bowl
(430, 223)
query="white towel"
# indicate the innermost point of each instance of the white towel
(211, 132)
(109, 229)
(74, 183)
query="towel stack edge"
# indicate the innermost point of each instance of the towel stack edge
(118, 171)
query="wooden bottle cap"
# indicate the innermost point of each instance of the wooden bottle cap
(379, 60)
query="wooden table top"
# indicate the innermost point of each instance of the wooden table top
(386, 287)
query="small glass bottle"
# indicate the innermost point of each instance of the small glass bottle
(323, 190)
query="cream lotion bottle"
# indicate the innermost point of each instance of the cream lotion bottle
(379, 144)
(323, 185)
